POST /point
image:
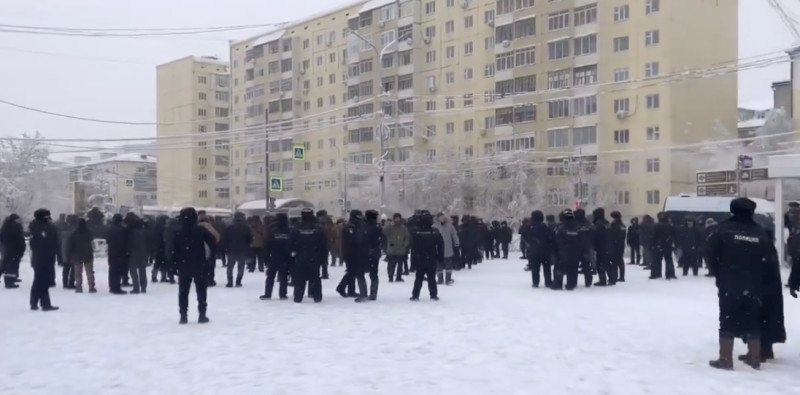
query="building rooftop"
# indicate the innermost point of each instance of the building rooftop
(200, 59)
(752, 123)
(105, 158)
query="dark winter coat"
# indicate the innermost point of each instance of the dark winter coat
(397, 239)
(428, 244)
(373, 238)
(585, 230)
(539, 238)
(12, 239)
(117, 243)
(601, 237)
(570, 243)
(189, 245)
(159, 241)
(647, 234)
(79, 245)
(504, 234)
(632, 238)
(238, 238)
(279, 243)
(689, 240)
(743, 259)
(137, 238)
(309, 244)
(617, 233)
(44, 243)
(664, 236)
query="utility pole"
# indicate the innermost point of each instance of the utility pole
(267, 183)
(403, 184)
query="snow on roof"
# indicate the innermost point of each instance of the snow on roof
(752, 123)
(209, 59)
(757, 105)
(712, 204)
(269, 37)
(373, 4)
(141, 158)
(262, 204)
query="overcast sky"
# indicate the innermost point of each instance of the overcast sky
(114, 78)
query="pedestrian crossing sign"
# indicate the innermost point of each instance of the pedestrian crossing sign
(276, 184)
(299, 152)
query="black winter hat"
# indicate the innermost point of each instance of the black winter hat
(567, 214)
(426, 220)
(743, 207)
(372, 215)
(322, 213)
(599, 213)
(117, 219)
(616, 215)
(356, 215)
(282, 219)
(41, 214)
(537, 216)
(307, 214)
(188, 217)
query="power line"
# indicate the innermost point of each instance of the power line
(65, 55)
(143, 29)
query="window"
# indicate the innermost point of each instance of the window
(201, 79)
(431, 154)
(504, 116)
(586, 45)
(430, 7)
(386, 38)
(651, 69)
(449, 102)
(525, 84)
(221, 96)
(468, 48)
(586, 15)
(405, 82)
(621, 44)
(622, 13)
(468, 152)
(505, 61)
(468, 74)
(202, 161)
(654, 197)
(430, 31)
(201, 112)
(557, 138)
(431, 81)
(559, 79)
(525, 113)
(653, 133)
(450, 77)
(621, 74)
(653, 165)
(450, 128)
(653, 101)
(558, 108)
(622, 166)
(449, 27)
(505, 6)
(504, 33)
(504, 87)
(202, 194)
(201, 96)
(558, 49)
(468, 22)
(585, 135)
(586, 75)
(585, 106)
(622, 105)
(404, 58)
(387, 61)
(488, 122)
(488, 43)
(202, 128)
(525, 28)
(652, 38)
(488, 17)
(387, 13)
(488, 70)
(558, 20)
(450, 52)
(430, 56)
(622, 136)
(652, 6)
(525, 56)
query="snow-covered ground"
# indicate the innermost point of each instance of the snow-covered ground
(490, 333)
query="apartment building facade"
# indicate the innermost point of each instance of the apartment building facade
(193, 113)
(589, 94)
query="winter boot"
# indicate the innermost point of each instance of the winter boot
(203, 319)
(449, 278)
(725, 361)
(373, 290)
(92, 290)
(49, 308)
(754, 353)
(184, 319)
(440, 278)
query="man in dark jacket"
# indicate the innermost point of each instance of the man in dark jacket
(601, 240)
(67, 271)
(373, 240)
(190, 264)
(741, 255)
(80, 254)
(541, 246)
(159, 249)
(12, 243)
(632, 239)
(397, 242)
(45, 246)
(663, 245)
(585, 232)
(117, 255)
(470, 240)
(646, 231)
(689, 240)
(311, 250)
(571, 248)
(237, 241)
(353, 254)
(279, 247)
(504, 236)
(428, 252)
(138, 252)
(616, 234)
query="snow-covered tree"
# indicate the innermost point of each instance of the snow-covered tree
(21, 191)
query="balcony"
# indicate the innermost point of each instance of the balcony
(504, 19)
(504, 130)
(585, 60)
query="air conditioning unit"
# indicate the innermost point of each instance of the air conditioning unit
(506, 43)
(490, 23)
(622, 114)
(409, 41)
(329, 43)
(484, 132)
(426, 39)
(381, 24)
(432, 88)
(464, 3)
(302, 70)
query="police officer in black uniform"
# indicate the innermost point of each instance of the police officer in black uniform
(279, 250)
(688, 241)
(585, 231)
(353, 256)
(616, 234)
(310, 251)
(740, 254)
(428, 252)
(602, 247)
(663, 245)
(373, 240)
(571, 248)
(541, 246)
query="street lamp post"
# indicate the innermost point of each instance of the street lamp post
(382, 125)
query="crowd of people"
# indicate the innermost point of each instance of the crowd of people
(739, 254)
